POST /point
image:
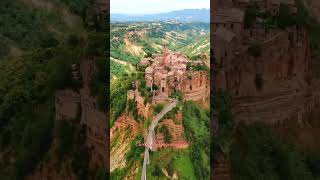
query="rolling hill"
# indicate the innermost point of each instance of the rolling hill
(131, 42)
(186, 15)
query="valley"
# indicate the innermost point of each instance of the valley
(159, 100)
(130, 42)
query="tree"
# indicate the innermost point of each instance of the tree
(250, 15)
(284, 17)
(255, 49)
(158, 108)
(157, 171)
(258, 80)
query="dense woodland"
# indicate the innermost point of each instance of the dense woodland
(34, 63)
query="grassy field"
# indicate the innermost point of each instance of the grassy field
(179, 159)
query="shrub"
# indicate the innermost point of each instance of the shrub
(255, 49)
(250, 15)
(258, 153)
(158, 108)
(167, 137)
(284, 18)
(155, 87)
(157, 171)
(258, 80)
(135, 151)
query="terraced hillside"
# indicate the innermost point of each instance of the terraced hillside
(130, 42)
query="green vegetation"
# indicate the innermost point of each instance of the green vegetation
(118, 96)
(304, 19)
(158, 108)
(255, 49)
(36, 60)
(196, 123)
(282, 19)
(135, 151)
(177, 95)
(173, 161)
(222, 106)
(251, 15)
(285, 18)
(172, 114)
(183, 38)
(78, 7)
(258, 81)
(23, 26)
(167, 136)
(132, 108)
(259, 153)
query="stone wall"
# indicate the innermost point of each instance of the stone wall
(196, 86)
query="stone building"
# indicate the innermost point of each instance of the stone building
(229, 18)
(170, 72)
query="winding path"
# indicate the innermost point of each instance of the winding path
(151, 137)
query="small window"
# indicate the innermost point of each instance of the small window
(162, 89)
(231, 26)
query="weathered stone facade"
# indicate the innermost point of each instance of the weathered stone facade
(269, 87)
(169, 72)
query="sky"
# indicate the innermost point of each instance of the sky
(136, 7)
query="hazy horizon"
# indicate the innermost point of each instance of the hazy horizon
(158, 12)
(147, 7)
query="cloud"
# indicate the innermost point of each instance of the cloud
(155, 6)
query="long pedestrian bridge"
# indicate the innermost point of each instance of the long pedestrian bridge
(150, 143)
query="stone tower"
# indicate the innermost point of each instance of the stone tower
(165, 48)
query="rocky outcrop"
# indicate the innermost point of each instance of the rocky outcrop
(176, 130)
(272, 86)
(221, 168)
(93, 118)
(121, 135)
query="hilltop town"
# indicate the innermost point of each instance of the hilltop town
(156, 98)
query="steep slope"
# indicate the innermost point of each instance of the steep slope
(46, 51)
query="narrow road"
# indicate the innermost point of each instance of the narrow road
(151, 136)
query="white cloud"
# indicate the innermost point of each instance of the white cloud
(155, 6)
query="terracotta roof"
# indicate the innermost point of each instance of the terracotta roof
(228, 15)
(179, 72)
(180, 66)
(149, 70)
(171, 73)
(224, 34)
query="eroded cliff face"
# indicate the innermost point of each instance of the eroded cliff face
(273, 87)
(80, 109)
(122, 134)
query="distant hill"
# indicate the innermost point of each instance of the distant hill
(186, 15)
